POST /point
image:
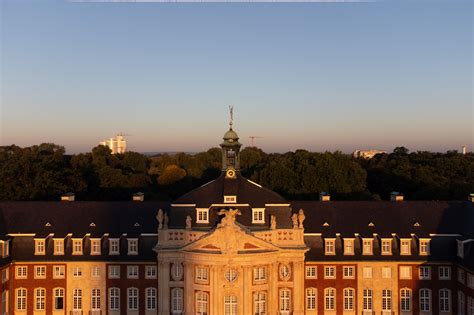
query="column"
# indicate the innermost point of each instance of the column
(298, 298)
(163, 287)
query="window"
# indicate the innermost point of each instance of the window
(77, 272)
(330, 299)
(150, 272)
(424, 272)
(40, 247)
(470, 306)
(231, 274)
(58, 246)
(285, 272)
(150, 298)
(114, 299)
(58, 295)
(40, 272)
(95, 247)
(177, 271)
(330, 246)
(425, 300)
(95, 271)
(260, 303)
(367, 299)
(424, 247)
(461, 276)
(460, 248)
(285, 301)
(77, 299)
(470, 281)
(132, 298)
(348, 246)
(40, 295)
(386, 246)
(367, 272)
(329, 272)
(58, 272)
(311, 299)
(230, 305)
(114, 246)
(177, 301)
(461, 303)
(202, 274)
(21, 272)
(77, 246)
(405, 299)
(386, 272)
(114, 272)
(348, 272)
(444, 273)
(230, 199)
(4, 303)
(259, 273)
(386, 300)
(367, 246)
(405, 272)
(445, 300)
(348, 299)
(132, 272)
(95, 299)
(202, 303)
(5, 275)
(132, 246)
(258, 215)
(311, 272)
(21, 299)
(202, 215)
(405, 246)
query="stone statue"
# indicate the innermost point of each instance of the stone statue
(229, 217)
(165, 222)
(301, 218)
(294, 218)
(189, 222)
(273, 222)
(159, 218)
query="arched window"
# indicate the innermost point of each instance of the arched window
(230, 305)
(461, 303)
(132, 297)
(177, 271)
(368, 299)
(114, 299)
(349, 299)
(150, 299)
(21, 294)
(311, 297)
(386, 300)
(76, 299)
(95, 299)
(40, 296)
(202, 303)
(285, 301)
(329, 299)
(260, 303)
(58, 298)
(177, 301)
(405, 299)
(444, 300)
(425, 300)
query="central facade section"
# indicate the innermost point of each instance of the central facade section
(231, 247)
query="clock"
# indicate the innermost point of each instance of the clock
(230, 173)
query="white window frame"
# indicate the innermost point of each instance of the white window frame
(424, 272)
(40, 246)
(21, 299)
(330, 299)
(311, 272)
(259, 273)
(21, 272)
(444, 272)
(114, 246)
(40, 299)
(445, 300)
(367, 246)
(284, 298)
(406, 299)
(114, 299)
(177, 300)
(114, 271)
(132, 299)
(59, 271)
(349, 246)
(258, 215)
(367, 300)
(330, 246)
(77, 246)
(202, 303)
(151, 298)
(230, 305)
(201, 274)
(404, 269)
(133, 272)
(151, 272)
(95, 271)
(77, 299)
(58, 244)
(202, 215)
(386, 272)
(58, 293)
(330, 272)
(424, 244)
(349, 299)
(95, 246)
(387, 300)
(5, 274)
(260, 303)
(311, 299)
(132, 245)
(386, 246)
(40, 272)
(425, 300)
(77, 272)
(405, 246)
(367, 272)
(95, 299)
(230, 199)
(348, 272)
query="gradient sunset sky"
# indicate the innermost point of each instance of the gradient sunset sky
(318, 76)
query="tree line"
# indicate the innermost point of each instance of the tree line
(45, 172)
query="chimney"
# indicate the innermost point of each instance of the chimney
(68, 197)
(139, 196)
(471, 197)
(324, 196)
(396, 196)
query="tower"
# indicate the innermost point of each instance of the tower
(231, 148)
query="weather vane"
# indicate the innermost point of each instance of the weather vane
(231, 111)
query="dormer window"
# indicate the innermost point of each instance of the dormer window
(348, 246)
(132, 246)
(95, 246)
(114, 246)
(230, 199)
(367, 246)
(58, 246)
(460, 249)
(4, 249)
(202, 215)
(424, 247)
(330, 246)
(258, 215)
(405, 246)
(40, 247)
(387, 246)
(77, 246)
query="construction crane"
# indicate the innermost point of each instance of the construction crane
(253, 139)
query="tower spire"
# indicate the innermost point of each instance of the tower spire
(231, 113)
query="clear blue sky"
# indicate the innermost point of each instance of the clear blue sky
(319, 76)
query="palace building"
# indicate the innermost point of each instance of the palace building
(233, 247)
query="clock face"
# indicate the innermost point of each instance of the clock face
(230, 173)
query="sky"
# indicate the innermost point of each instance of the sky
(314, 76)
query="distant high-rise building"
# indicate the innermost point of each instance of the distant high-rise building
(464, 149)
(367, 154)
(116, 145)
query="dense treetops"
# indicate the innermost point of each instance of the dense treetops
(44, 172)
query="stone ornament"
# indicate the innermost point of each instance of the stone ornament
(284, 271)
(189, 222)
(301, 218)
(159, 218)
(273, 222)
(294, 218)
